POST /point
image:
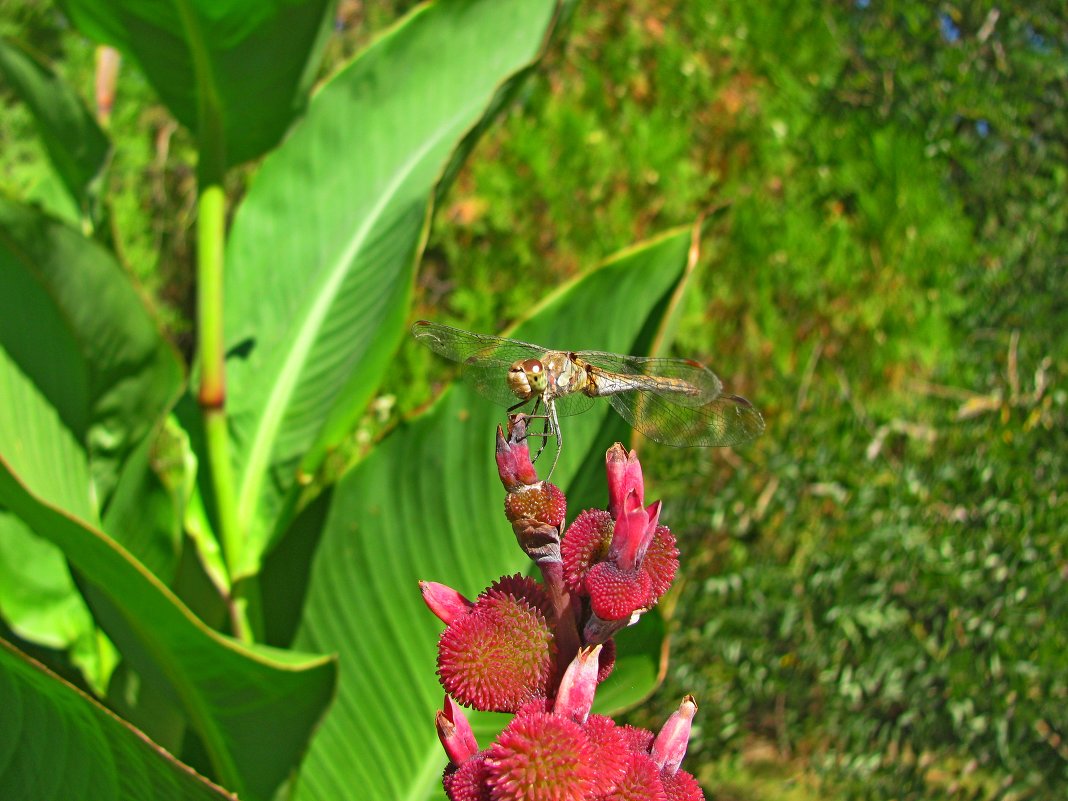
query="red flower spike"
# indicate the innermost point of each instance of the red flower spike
(640, 782)
(624, 477)
(574, 697)
(542, 757)
(586, 543)
(498, 656)
(445, 602)
(468, 782)
(455, 733)
(670, 745)
(682, 786)
(513, 456)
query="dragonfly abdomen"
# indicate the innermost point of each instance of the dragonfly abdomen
(601, 382)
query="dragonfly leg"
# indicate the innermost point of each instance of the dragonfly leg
(534, 415)
(553, 426)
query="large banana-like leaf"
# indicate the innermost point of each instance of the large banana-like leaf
(321, 257)
(234, 73)
(84, 358)
(84, 376)
(253, 708)
(428, 505)
(57, 743)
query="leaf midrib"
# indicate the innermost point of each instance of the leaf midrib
(270, 421)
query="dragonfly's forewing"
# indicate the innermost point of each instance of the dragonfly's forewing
(484, 359)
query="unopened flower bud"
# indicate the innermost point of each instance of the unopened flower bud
(574, 697)
(455, 733)
(513, 456)
(670, 745)
(445, 602)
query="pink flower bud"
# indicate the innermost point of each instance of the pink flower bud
(513, 456)
(670, 745)
(443, 601)
(624, 477)
(574, 698)
(455, 733)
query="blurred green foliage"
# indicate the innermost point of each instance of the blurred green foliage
(873, 598)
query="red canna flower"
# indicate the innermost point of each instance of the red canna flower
(540, 650)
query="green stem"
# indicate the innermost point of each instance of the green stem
(211, 239)
(211, 223)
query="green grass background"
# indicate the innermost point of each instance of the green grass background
(873, 600)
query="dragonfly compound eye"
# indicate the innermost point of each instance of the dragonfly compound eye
(535, 373)
(518, 382)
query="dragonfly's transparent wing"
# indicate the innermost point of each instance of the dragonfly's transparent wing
(728, 420)
(484, 359)
(675, 401)
(575, 403)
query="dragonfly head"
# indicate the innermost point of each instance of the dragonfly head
(526, 378)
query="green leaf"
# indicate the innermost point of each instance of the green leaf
(42, 605)
(74, 142)
(322, 253)
(253, 708)
(145, 512)
(82, 355)
(58, 743)
(427, 505)
(84, 374)
(239, 70)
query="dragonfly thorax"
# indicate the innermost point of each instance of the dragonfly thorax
(526, 378)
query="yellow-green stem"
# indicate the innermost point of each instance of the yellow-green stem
(211, 225)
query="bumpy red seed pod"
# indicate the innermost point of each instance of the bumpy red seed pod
(616, 594)
(586, 543)
(641, 781)
(542, 757)
(469, 781)
(682, 786)
(612, 752)
(498, 656)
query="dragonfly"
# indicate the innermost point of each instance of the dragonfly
(676, 402)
